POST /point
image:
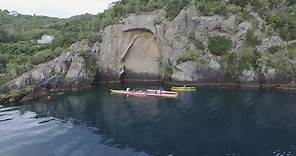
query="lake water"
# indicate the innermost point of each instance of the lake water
(208, 122)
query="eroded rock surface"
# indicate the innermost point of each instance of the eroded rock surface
(65, 72)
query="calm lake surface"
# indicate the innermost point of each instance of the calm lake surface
(208, 122)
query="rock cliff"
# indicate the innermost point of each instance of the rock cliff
(150, 47)
(146, 44)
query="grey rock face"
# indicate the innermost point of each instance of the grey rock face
(66, 72)
(269, 42)
(192, 71)
(187, 71)
(139, 44)
(248, 77)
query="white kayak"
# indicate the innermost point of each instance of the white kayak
(144, 94)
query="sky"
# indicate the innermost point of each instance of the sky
(56, 8)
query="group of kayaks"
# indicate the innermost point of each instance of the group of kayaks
(155, 92)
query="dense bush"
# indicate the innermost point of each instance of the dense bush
(281, 61)
(236, 62)
(291, 22)
(46, 55)
(283, 64)
(211, 7)
(4, 58)
(18, 64)
(291, 2)
(275, 20)
(219, 45)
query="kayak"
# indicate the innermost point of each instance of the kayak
(183, 89)
(162, 95)
(129, 93)
(143, 94)
(162, 91)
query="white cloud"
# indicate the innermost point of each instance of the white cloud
(56, 8)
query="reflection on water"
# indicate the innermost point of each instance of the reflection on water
(208, 122)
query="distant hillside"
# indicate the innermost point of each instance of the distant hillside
(19, 49)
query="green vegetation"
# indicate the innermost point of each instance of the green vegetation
(124, 7)
(174, 7)
(247, 59)
(292, 46)
(234, 9)
(241, 3)
(275, 20)
(197, 43)
(251, 39)
(19, 49)
(90, 63)
(283, 23)
(229, 64)
(168, 71)
(283, 63)
(234, 63)
(219, 45)
(46, 55)
(191, 55)
(211, 7)
(166, 67)
(281, 60)
(15, 93)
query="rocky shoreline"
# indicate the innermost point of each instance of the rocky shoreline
(25, 96)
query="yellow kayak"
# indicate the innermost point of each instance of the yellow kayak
(183, 89)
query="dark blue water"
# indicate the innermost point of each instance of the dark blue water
(209, 122)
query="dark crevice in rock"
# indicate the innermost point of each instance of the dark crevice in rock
(138, 29)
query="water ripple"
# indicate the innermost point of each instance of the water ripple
(6, 119)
